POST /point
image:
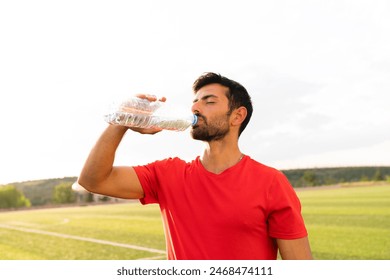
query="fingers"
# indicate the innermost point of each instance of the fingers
(150, 97)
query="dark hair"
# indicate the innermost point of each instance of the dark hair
(237, 94)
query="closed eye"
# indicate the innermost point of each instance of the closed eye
(207, 99)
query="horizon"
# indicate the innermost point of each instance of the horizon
(292, 169)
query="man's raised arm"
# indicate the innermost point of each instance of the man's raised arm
(100, 176)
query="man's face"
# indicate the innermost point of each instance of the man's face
(211, 106)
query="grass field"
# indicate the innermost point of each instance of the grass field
(348, 223)
(121, 223)
(343, 223)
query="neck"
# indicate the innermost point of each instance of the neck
(219, 156)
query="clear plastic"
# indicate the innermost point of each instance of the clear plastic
(137, 112)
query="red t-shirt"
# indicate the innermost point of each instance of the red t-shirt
(233, 215)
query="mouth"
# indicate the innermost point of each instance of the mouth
(200, 117)
(197, 124)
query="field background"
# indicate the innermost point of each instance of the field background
(345, 222)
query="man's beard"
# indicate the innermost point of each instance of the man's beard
(211, 130)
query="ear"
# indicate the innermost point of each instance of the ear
(238, 116)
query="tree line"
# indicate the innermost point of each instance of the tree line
(330, 176)
(59, 191)
(37, 193)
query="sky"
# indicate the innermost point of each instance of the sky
(318, 73)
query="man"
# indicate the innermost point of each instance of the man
(223, 204)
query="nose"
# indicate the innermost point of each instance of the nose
(195, 107)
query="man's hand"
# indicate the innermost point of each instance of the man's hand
(145, 130)
(151, 98)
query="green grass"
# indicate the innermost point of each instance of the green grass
(348, 223)
(343, 223)
(128, 223)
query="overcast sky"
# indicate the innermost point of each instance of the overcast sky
(318, 73)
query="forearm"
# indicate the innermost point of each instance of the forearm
(99, 163)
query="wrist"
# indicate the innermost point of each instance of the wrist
(120, 129)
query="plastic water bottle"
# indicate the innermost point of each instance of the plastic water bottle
(138, 112)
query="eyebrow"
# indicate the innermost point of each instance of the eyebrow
(206, 97)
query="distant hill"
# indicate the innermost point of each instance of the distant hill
(40, 192)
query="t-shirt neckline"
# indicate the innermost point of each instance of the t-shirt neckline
(226, 171)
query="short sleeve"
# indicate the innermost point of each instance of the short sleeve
(285, 220)
(147, 178)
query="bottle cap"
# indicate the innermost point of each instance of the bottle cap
(195, 120)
